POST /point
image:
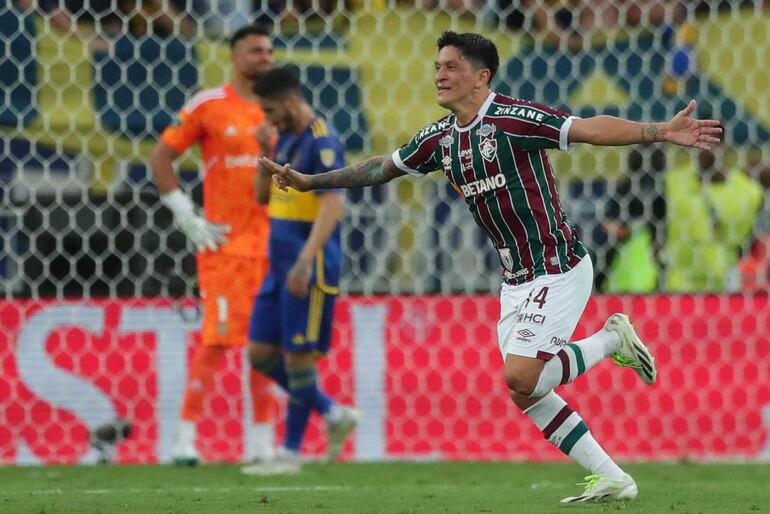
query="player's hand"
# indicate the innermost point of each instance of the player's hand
(284, 177)
(266, 134)
(203, 234)
(298, 278)
(686, 131)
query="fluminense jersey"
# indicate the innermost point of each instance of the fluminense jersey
(499, 164)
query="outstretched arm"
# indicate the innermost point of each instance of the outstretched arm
(377, 170)
(681, 130)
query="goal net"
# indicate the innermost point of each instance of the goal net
(98, 290)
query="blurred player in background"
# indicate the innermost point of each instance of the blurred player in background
(231, 238)
(493, 149)
(291, 323)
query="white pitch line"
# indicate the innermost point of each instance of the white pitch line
(256, 489)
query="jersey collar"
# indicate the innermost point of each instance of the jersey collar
(479, 115)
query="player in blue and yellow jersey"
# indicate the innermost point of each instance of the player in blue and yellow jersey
(292, 319)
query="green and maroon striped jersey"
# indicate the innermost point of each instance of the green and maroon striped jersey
(499, 164)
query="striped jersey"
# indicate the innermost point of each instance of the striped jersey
(499, 164)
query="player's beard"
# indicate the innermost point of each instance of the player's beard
(256, 72)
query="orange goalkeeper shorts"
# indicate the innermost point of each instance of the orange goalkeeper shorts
(228, 285)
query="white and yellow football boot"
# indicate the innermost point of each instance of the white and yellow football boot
(600, 489)
(631, 352)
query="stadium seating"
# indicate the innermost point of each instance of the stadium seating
(18, 68)
(142, 83)
(638, 69)
(336, 94)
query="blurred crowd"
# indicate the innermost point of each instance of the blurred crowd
(702, 226)
(696, 227)
(553, 20)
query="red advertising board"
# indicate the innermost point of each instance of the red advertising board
(425, 372)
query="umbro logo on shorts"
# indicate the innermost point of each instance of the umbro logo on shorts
(526, 333)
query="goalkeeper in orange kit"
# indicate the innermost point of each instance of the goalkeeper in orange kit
(231, 239)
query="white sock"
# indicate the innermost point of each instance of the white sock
(287, 454)
(261, 441)
(335, 414)
(574, 360)
(186, 432)
(565, 429)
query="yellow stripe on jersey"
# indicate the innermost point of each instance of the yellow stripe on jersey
(292, 205)
(319, 128)
(319, 275)
(315, 314)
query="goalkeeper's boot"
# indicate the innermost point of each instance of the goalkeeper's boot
(105, 437)
(184, 453)
(284, 462)
(339, 425)
(631, 352)
(598, 489)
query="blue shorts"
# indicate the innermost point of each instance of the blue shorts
(296, 324)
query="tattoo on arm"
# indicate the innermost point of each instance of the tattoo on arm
(377, 170)
(650, 133)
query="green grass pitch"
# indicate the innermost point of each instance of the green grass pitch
(377, 487)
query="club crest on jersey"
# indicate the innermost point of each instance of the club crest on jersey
(327, 157)
(446, 141)
(486, 131)
(488, 149)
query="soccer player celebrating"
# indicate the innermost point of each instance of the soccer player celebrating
(292, 318)
(231, 239)
(492, 148)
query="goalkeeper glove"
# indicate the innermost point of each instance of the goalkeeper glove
(203, 234)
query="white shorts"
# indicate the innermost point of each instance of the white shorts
(537, 318)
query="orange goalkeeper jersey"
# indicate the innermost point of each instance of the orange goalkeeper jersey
(225, 125)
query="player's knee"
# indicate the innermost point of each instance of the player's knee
(300, 359)
(522, 374)
(519, 384)
(260, 353)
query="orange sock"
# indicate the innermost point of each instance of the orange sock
(200, 379)
(262, 399)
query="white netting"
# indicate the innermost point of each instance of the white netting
(88, 85)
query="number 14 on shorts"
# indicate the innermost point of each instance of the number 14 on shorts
(538, 298)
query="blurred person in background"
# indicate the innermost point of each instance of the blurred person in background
(231, 238)
(162, 18)
(291, 323)
(710, 214)
(754, 267)
(635, 224)
(61, 18)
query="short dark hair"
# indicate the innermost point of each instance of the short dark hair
(474, 47)
(254, 29)
(279, 82)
